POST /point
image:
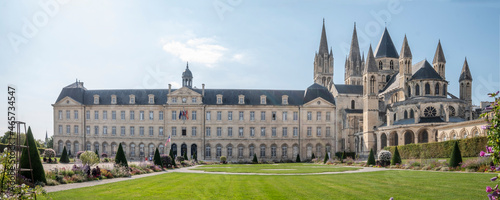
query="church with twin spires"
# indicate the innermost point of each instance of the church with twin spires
(386, 100)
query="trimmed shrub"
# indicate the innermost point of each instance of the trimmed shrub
(104, 155)
(185, 156)
(255, 161)
(120, 158)
(172, 156)
(456, 156)
(384, 157)
(97, 153)
(371, 158)
(36, 163)
(343, 155)
(223, 159)
(166, 160)
(298, 158)
(64, 156)
(396, 159)
(157, 159)
(89, 158)
(78, 154)
(49, 153)
(195, 157)
(326, 157)
(470, 147)
(179, 158)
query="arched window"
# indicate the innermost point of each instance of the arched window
(409, 91)
(412, 114)
(417, 90)
(380, 65)
(467, 95)
(436, 90)
(394, 116)
(406, 114)
(391, 65)
(462, 90)
(444, 89)
(353, 104)
(372, 84)
(427, 88)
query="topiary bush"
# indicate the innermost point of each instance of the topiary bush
(371, 158)
(36, 163)
(120, 158)
(185, 156)
(254, 160)
(97, 153)
(166, 161)
(326, 157)
(223, 159)
(298, 158)
(396, 159)
(49, 153)
(456, 156)
(179, 158)
(384, 157)
(89, 158)
(64, 156)
(156, 158)
(195, 157)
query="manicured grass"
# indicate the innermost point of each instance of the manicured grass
(284, 168)
(423, 161)
(400, 184)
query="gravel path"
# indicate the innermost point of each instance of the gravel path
(182, 170)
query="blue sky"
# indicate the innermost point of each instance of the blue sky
(228, 43)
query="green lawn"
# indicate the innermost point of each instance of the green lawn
(288, 168)
(400, 184)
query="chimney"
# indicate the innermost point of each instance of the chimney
(203, 89)
(169, 88)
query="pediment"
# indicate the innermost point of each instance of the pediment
(67, 101)
(184, 91)
(318, 102)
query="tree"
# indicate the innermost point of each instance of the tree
(36, 163)
(173, 159)
(195, 157)
(254, 160)
(371, 158)
(120, 158)
(396, 159)
(157, 159)
(50, 142)
(185, 155)
(89, 158)
(313, 157)
(97, 153)
(64, 156)
(5, 138)
(298, 158)
(326, 157)
(456, 156)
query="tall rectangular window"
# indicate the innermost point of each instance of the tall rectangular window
(273, 131)
(262, 115)
(219, 115)
(262, 131)
(209, 116)
(207, 131)
(87, 115)
(193, 131)
(174, 131)
(193, 115)
(141, 115)
(87, 130)
(309, 131)
(309, 116)
(122, 130)
(285, 131)
(151, 115)
(219, 131)
(132, 131)
(68, 114)
(193, 100)
(160, 117)
(230, 131)
(122, 115)
(60, 114)
(76, 114)
(132, 115)
(76, 129)
(295, 116)
(174, 115)
(252, 131)
(96, 115)
(318, 116)
(160, 131)
(104, 130)
(230, 115)
(295, 131)
(252, 115)
(96, 130)
(68, 129)
(318, 131)
(327, 131)
(113, 130)
(151, 131)
(113, 115)
(328, 116)
(241, 115)
(240, 131)
(105, 115)
(273, 115)
(285, 115)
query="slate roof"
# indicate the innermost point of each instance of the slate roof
(371, 66)
(357, 111)
(405, 49)
(230, 96)
(430, 120)
(425, 71)
(465, 74)
(187, 73)
(439, 55)
(354, 55)
(349, 89)
(323, 44)
(385, 47)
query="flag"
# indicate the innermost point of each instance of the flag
(187, 116)
(168, 140)
(180, 114)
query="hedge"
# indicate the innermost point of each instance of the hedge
(469, 148)
(347, 154)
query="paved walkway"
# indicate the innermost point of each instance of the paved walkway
(186, 170)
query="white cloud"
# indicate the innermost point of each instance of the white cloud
(175, 84)
(198, 50)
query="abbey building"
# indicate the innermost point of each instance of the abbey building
(387, 99)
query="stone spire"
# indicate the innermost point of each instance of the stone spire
(465, 74)
(405, 50)
(354, 55)
(439, 56)
(370, 65)
(323, 44)
(385, 48)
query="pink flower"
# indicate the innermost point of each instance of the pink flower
(488, 189)
(490, 149)
(484, 127)
(494, 179)
(482, 153)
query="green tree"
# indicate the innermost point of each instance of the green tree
(89, 158)
(97, 153)
(298, 158)
(195, 157)
(326, 157)
(5, 138)
(173, 159)
(254, 160)
(64, 156)
(456, 156)
(36, 163)
(371, 158)
(157, 158)
(396, 158)
(50, 142)
(120, 158)
(185, 155)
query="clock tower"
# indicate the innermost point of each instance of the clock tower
(187, 77)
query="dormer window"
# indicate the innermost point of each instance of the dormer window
(193, 100)
(241, 99)
(219, 99)
(96, 99)
(132, 99)
(263, 99)
(113, 99)
(151, 98)
(174, 99)
(284, 99)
